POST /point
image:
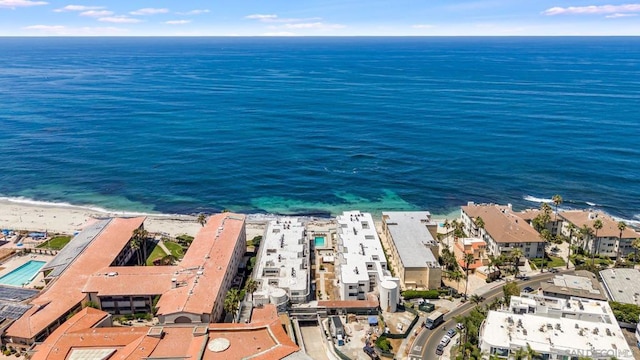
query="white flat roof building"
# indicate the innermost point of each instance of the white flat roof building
(622, 285)
(283, 263)
(360, 263)
(555, 329)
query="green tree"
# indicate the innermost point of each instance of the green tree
(140, 236)
(621, 226)
(476, 299)
(635, 244)
(571, 229)
(251, 286)
(456, 276)
(202, 219)
(510, 289)
(597, 225)
(468, 260)
(232, 301)
(479, 225)
(545, 235)
(557, 200)
(516, 254)
(447, 226)
(134, 244)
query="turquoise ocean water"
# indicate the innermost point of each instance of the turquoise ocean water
(320, 125)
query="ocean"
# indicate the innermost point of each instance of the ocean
(316, 126)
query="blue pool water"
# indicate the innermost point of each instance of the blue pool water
(319, 240)
(23, 274)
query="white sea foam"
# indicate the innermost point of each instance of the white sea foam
(591, 203)
(536, 200)
(96, 209)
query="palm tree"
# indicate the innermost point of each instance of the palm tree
(635, 244)
(140, 236)
(468, 260)
(476, 299)
(134, 244)
(519, 354)
(516, 254)
(447, 226)
(479, 224)
(597, 225)
(621, 226)
(202, 219)
(545, 235)
(251, 286)
(557, 200)
(571, 228)
(231, 301)
(531, 354)
(456, 276)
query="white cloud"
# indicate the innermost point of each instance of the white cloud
(78, 8)
(315, 25)
(120, 19)
(279, 33)
(177, 22)
(194, 12)
(60, 30)
(12, 4)
(149, 11)
(96, 13)
(262, 17)
(619, 15)
(593, 9)
(423, 26)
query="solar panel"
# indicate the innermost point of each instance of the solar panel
(15, 294)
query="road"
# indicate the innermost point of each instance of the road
(424, 347)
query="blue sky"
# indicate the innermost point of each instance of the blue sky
(318, 17)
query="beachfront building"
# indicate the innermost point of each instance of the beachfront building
(89, 335)
(282, 268)
(622, 285)
(503, 230)
(412, 249)
(191, 292)
(608, 242)
(360, 263)
(554, 329)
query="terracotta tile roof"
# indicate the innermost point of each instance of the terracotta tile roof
(580, 218)
(64, 293)
(502, 224)
(372, 303)
(209, 254)
(261, 339)
(148, 280)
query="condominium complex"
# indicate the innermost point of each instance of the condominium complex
(282, 269)
(554, 329)
(610, 239)
(360, 263)
(413, 251)
(92, 268)
(622, 285)
(503, 230)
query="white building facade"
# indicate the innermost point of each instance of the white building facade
(360, 262)
(282, 268)
(555, 329)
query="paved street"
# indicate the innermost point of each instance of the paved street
(424, 346)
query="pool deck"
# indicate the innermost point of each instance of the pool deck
(16, 261)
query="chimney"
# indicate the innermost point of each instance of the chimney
(174, 283)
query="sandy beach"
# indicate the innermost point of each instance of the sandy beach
(70, 219)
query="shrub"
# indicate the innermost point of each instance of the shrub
(425, 294)
(383, 343)
(625, 312)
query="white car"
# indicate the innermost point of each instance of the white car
(459, 326)
(445, 340)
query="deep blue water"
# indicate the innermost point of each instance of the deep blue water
(313, 125)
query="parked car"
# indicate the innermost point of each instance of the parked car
(451, 333)
(523, 277)
(528, 289)
(440, 349)
(459, 326)
(445, 340)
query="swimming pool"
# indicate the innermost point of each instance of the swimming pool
(319, 241)
(22, 274)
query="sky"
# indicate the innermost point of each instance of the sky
(319, 18)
